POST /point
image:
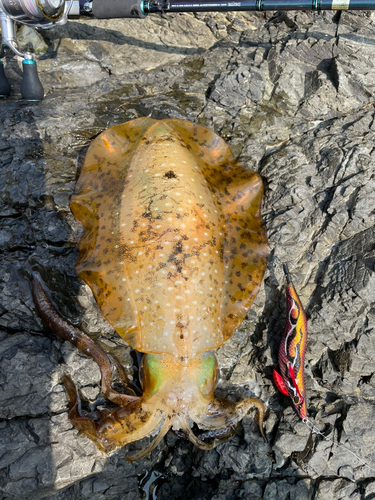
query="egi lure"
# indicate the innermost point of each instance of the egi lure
(291, 379)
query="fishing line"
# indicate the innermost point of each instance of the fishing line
(315, 430)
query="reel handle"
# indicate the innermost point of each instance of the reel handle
(31, 88)
(4, 84)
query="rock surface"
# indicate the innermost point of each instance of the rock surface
(293, 94)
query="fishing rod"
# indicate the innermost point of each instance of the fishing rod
(47, 14)
(140, 8)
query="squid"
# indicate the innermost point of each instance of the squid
(174, 250)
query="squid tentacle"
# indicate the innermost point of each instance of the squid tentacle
(194, 439)
(80, 340)
(244, 406)
(223, 417)
(145, 451)
(118, 426)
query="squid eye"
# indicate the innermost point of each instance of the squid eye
(152, 373)
(207, 373)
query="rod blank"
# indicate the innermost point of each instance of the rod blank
(254, 5)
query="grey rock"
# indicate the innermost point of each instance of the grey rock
(283, 490)
(28, 367)
(250, 490)
(292, 94)
(337, 490)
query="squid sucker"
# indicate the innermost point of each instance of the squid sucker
(174, 250)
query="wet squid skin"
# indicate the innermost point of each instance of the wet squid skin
(174, 250)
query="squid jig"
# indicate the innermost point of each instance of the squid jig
(291, 379)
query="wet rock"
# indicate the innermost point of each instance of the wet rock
(292, 94)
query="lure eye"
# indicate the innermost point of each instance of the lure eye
(297, 400)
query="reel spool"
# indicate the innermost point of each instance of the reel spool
(34, 12)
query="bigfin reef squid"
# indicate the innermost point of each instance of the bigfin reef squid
(174, 250)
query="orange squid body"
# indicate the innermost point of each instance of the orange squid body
(174, 250)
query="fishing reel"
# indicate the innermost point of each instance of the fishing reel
(47, 14)
(37, 14)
